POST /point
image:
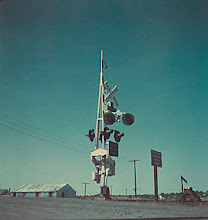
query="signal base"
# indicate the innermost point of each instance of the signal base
(105, 192)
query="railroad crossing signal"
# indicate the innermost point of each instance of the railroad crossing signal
(106, 115)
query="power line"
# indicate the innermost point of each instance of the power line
(42, 135)
(40, 138)
(54, 136)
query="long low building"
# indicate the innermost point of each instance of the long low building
(46, 190)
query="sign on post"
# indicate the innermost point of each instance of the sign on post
(113, 149)
(156, 162)
(156, 158)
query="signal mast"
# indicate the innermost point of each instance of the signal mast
(106, 115)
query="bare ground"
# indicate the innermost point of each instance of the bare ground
(64, 208)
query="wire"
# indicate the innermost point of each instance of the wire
(36, 132)
(55, 137)
(50, 133)
(40, 138)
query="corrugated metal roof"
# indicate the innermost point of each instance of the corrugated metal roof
(40, 188)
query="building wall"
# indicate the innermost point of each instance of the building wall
(66, 192)
(34, 194)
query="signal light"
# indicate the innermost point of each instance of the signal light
(109, 118)
(107, 132)
(118, 135)
(91, 134)
(128, 119)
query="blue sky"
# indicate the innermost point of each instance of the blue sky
(156, 52)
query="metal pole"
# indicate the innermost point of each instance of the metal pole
(156, 183)
(102, 99)
(100, 128)
(103, 123)
(135, 189)
(100, 103)
(126, 191)
(100, 113)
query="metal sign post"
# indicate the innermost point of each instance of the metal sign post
(156, 162)
(156, 183)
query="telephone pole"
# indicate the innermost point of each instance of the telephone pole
(135, 188)
(111, 190)
(85, 188)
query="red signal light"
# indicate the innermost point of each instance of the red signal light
(109, 118)
(128, 119)
(91, 134)
(118, 135)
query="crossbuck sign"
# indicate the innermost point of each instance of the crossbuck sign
(111, 93)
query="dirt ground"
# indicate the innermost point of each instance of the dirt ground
(64, 208)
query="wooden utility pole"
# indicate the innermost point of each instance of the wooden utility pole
(135, 189)
(85, 188)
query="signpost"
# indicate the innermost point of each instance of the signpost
(156, 162)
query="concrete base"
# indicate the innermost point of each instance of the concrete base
(105, 192)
